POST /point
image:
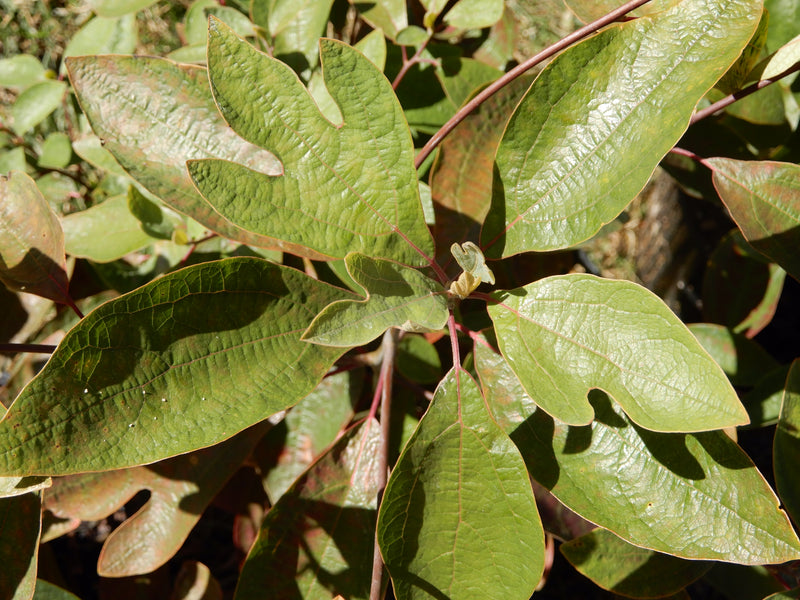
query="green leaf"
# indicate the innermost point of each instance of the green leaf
(21, 525)
(762, 197)
(784, 17)
(308, 429)
(591, 10)
(458, 489)
(47, 591)
(735, 78)
(387, 15)
(144, 366)
(21, 71)
(615, 565)
(787, 595)
(336, 193)
(317, 540)
(31, 241)
(745, 309)
(155, 220)
(56, 151)
(786, 447)
(196, 21)
(104, 232)
(165, 117)
(397, 296)
(117, 35)
(16, 486)
(565, 335)
(117, 8)
(742, 359)
(418, 360)
(464, 14)
(782, 59)
(461, 179)
(600, 117)
(695, 496)
(35, 104)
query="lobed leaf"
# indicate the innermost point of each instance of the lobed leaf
(566, 335)
(397, 296)
(458, 489)
(342, 188)
(153, 115)
(317, 540)
(31, 241)
(144, 367)
(695, 496)
(762, 197)
(589, 133)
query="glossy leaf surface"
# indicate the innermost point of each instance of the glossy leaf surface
(317, 540)
(627, 570)
(458, 488)
(165, 117)
(786, 453)
(588, 135)
(397, 296)
(695, 496)
(343, 188)
(31, 241)
(565, 335)
(763, 198)
(144, 367)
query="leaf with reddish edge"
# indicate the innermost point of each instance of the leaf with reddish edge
(180, 490)
(726, 510)
(458, 489)
(461, 176)
(153, 115)
(143, 366)
(763, 198)
(786, 446)
(32, 255)
(317, 540)
(20, 527)
(745, 309)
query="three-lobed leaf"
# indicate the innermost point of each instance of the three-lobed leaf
(187, 360)
(565, 335)
(397, 296)
(600, 117)
(343, 188)
(457, 492)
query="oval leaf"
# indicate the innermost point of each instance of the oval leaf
(695, 496)
(458, 489)
(343, 188)
(565, 335)
(31, 241)
(319, 536)
(144, 366)
(600, 117)
(397, 296)
(763, 198)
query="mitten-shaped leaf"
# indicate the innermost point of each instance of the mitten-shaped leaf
(763, 198)
(343, 188)
(565, 335)
(31, 241)
(599, 118)
(144, 366)
(458, 518)
(694, 496)
(319, 536)
(397, 296)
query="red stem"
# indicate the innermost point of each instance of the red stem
(481, 97)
